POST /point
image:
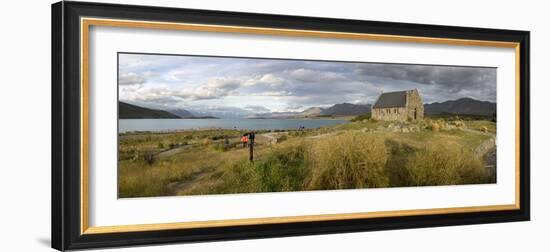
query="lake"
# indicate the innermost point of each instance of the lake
(126, 125)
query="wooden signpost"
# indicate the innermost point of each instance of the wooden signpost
(251, 137)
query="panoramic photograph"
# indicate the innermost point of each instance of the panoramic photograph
(198, 125)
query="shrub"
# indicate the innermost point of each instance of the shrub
(361, 118)
(459, 124)
(217, 137)
(284, 169)
(206, 142)
(434, 126)
(149, 157)
(135, 155)
(160, 145)
(223, 147)
(483, 129)
(349, 160)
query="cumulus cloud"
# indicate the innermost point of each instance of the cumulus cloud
(309, 75)
(131, 79)
(149, 95)
(257, 109)
(272, 93)
(278, 85)
(270, 79)
(213, 89)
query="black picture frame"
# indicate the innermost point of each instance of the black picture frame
(66, 114)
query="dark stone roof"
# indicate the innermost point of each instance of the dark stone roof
(391, 100)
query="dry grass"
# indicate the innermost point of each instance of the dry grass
(349, 160)
(139, 179)
(485, 126)
(445, 165)
(342, 158)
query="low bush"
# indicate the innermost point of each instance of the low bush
(434, 126)
(360, 118)
(206, 142)
(149, 157)
(483, 129)
(285, 169)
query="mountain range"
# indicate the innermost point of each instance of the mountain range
(182, 113)
(129, 111)
(347, 109)
(464, 106)
(343, 109)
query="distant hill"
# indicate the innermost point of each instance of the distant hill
(218, 112)
(346, 109)
(311, 112)
(466, 106)
(182, 113)
(274, 115)
(129, 111)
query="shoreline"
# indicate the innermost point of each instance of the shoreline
(235, 127)
(258, 118)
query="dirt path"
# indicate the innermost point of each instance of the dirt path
(176, 187)
(174, 151)
(205, 174)
(271, 137)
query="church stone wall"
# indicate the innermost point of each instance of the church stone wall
(414, 103)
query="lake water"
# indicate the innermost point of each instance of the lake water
(126, 125)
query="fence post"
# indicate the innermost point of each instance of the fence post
(251, 137)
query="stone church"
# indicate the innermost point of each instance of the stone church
(399, 106)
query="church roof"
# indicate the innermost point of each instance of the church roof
(391, 100)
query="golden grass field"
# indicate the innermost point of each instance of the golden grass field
(360, 154)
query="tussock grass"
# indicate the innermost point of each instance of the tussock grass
(349, 160)
(445, 165)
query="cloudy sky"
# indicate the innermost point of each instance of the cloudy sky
(268, 85)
